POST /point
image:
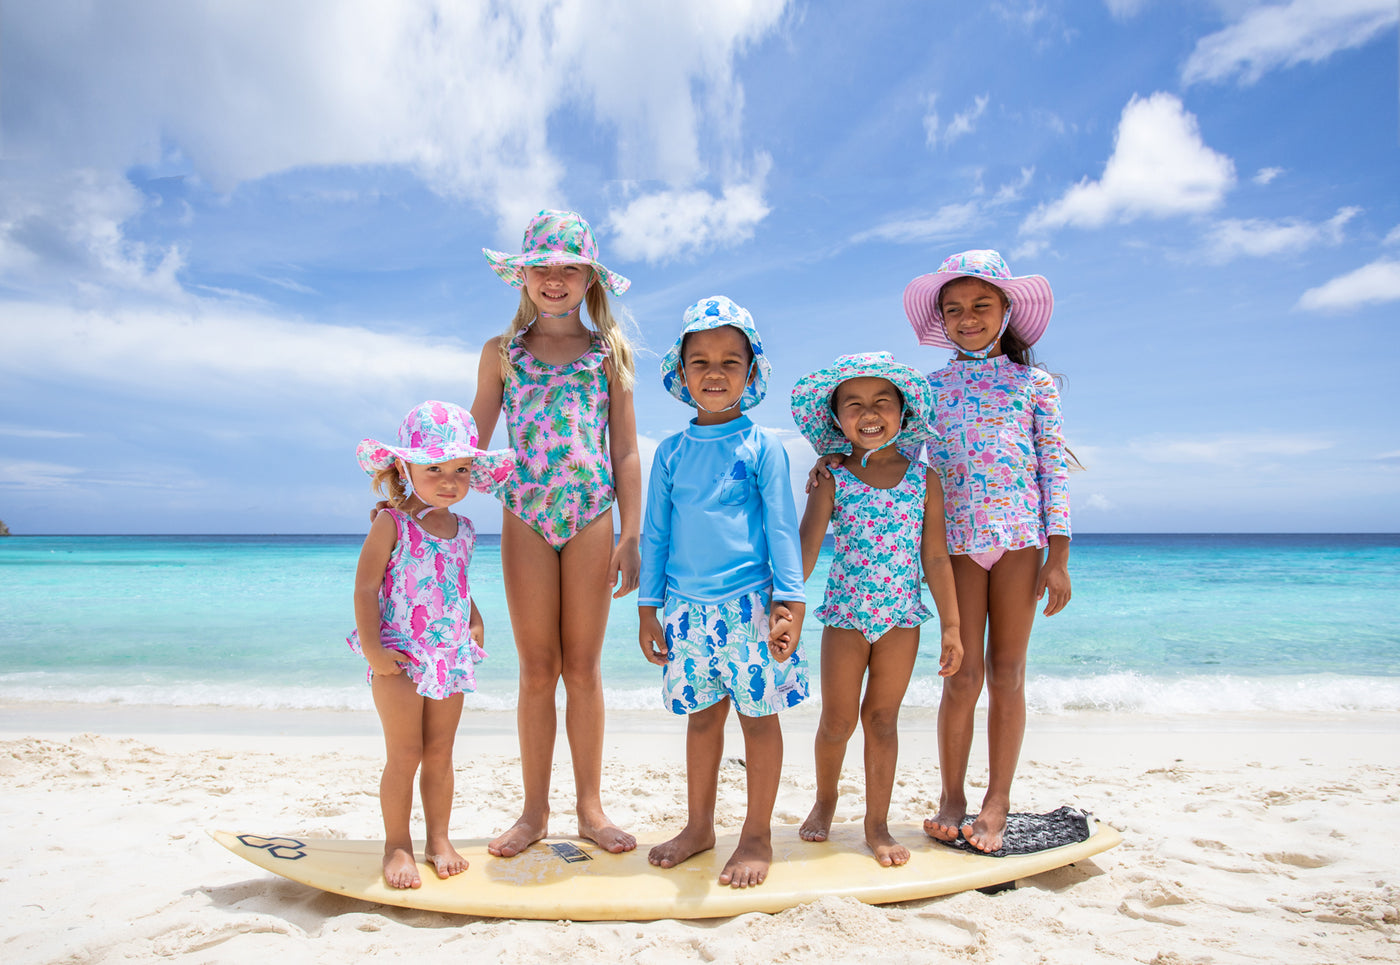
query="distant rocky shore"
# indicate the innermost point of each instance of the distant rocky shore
(4, 530)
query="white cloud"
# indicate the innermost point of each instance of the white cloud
(28, 432)
(1125, 9)
(63, 233)
(1160, 167)
(1393, 236)
(462, 91)
(963, 122)
(1097, 501)
(28, 474)
(1012, 190)
(947, 221)
(1372, 284)
(1226, 449)
(1258, 237)
(1266, 175)
(219, 353)
(1269, 36)
(667, 224)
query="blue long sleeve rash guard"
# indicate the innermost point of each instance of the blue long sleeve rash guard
(720, 518)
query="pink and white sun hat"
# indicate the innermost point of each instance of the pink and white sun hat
(554, 238)
(1030, 296)
(435, 432)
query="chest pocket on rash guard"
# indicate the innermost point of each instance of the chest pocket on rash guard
(734, 488)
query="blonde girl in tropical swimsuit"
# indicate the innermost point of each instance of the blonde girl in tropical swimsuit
(566, 391)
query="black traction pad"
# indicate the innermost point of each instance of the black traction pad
(1029, 833)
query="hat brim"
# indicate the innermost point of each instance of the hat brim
(1032, 303)
(510, 268)
(489, 467)
(811, 401)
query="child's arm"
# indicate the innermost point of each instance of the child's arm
(476, 628)
(369, 577)
(821, 495)
(938, 571)
(651, 636)
(625, 563)
(490, 391)
(1052, 477)
(1054, 576)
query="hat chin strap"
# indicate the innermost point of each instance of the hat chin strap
(408, 490)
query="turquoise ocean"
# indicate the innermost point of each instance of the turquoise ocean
(1159, 624)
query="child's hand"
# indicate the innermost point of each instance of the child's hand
(383, 504)
(823, 468)
(784, 629)
(624, 567)
(652, 637)
(1054, 578)
(950, 654)
(385, 662)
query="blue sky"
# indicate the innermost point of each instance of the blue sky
(236, 237)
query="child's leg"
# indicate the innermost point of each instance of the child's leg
(435, 782)
(704, 746)
(584, 601)
(530, 568)
(891, 665)
(845, 654)
(763, 764)
(401, 714)
(1011, 611)
(958, 705)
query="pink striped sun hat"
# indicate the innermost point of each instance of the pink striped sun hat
(1030, 296)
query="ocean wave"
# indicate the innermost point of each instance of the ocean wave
(1118, 693)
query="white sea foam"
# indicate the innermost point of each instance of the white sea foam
(1121, 693)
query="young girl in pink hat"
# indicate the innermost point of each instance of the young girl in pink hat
(415, 622)
(566, 392)
(1000, 452)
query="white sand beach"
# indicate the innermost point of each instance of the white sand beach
(1247, 839)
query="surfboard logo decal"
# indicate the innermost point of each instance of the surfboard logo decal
(569, 852)
(288, 849)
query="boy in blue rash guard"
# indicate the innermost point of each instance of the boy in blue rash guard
(720, 550)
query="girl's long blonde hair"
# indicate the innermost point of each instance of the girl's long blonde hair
(612, 328)
(388, 483)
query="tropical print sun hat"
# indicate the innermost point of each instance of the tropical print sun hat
(439, 432)
(1030, 296)
(554, 238)
(812, 397)
(710, 313)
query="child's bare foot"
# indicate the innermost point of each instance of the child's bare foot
(521, 835)
(605, 834)
(817, 827)
(887, 851)
(687, 844)
(400, 870)
(445, 859)
(985, 833)
(947, 824)
(748, 865)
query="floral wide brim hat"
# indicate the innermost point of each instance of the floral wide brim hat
(812, 397)
(554, 238)
(1030, 297)
(708, 313)
(435, 432)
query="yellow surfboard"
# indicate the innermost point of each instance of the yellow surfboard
(570, 878)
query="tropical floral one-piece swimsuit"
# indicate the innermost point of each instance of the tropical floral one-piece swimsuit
(557, 419)
(874, 581)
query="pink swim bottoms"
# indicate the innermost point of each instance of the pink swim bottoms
(988, 559)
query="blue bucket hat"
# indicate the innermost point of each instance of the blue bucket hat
(708, 313)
